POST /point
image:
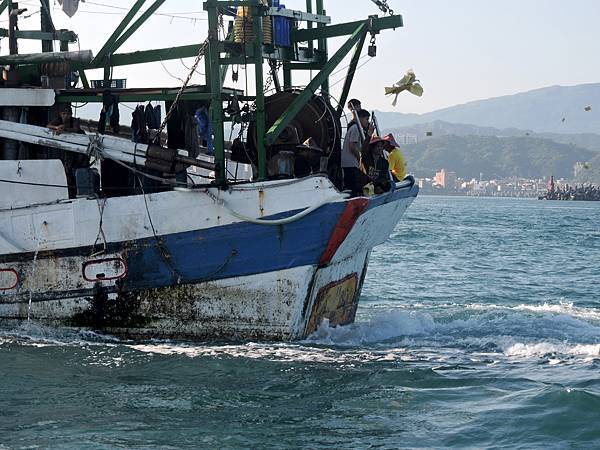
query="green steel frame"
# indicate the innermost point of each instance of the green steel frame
(220, 54)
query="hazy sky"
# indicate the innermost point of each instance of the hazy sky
(461, 50)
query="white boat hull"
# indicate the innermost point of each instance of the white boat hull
(185, 265)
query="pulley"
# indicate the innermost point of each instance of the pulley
(316, 120)
(372, 50)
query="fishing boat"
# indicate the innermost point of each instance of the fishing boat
(153, 241)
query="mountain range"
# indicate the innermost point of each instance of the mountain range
(533, 135)
(494, 157)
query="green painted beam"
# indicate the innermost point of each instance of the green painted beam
(191, 51)
(322, 46)
(287, 76)
(46, 24)
(225, 67)
(148, 56)
(213, 78)
(59, 35)
(136, 25)
(131, 98)
(312, 87)
(105, 50)
(350, 74)
(344, 29)
(84, 79)
(309, 25)
(3, 6)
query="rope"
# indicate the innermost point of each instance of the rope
(285, 221)
(101, 235)
(201, 53)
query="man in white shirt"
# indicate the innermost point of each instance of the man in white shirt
(351, 154)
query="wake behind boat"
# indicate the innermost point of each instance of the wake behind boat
(134, 244)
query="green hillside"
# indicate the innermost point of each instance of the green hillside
(495, 157)
(440, 128)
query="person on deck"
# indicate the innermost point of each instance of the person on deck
(395, 158)
(355, 105)
(376, 166)
(354, 178)
(66, 123)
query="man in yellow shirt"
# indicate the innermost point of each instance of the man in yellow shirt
(395, 158)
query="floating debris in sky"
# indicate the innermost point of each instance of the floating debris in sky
(564, 119)
(588, 108)
(429, 133)
(70, 7)
(408, 83)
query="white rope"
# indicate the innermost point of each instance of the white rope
(287, 220)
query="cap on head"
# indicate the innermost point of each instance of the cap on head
(389, 138)
(376, 139)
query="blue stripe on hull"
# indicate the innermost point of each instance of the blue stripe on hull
(238, 249)
(230, 251)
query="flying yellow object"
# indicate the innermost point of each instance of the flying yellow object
(408, 83)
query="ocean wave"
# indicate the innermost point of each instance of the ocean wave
(555, 332)
(564, 307)
(531, 321)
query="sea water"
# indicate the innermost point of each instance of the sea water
(479, 326)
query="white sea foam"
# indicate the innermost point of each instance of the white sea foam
(555, 351)
(273, 352)
(34, 334)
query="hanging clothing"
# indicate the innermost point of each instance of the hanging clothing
(152, 116)
(205, 129)
(139, 132)
(109, 116)
(158, 116)
(192, 140)
(176, 129)
(69, 7)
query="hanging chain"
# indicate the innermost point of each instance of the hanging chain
(384, 7)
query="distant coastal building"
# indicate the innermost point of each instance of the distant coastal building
(445, 179)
